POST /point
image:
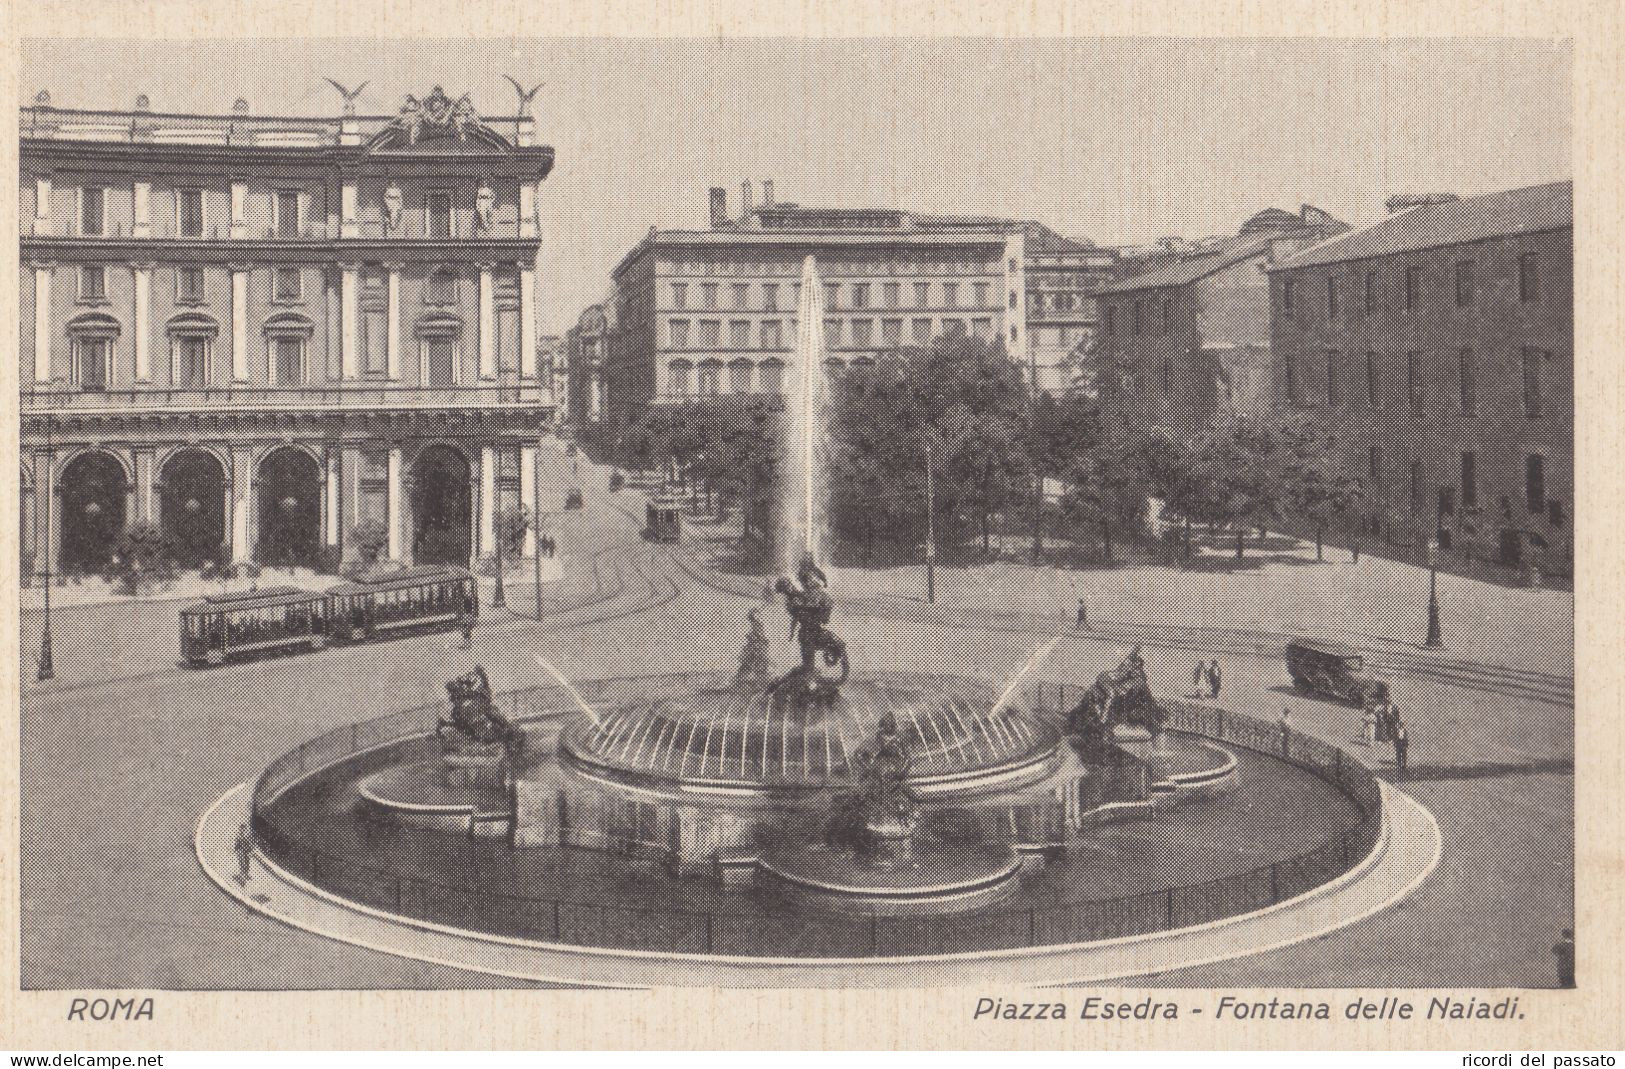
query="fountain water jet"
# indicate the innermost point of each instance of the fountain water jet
(801, 518)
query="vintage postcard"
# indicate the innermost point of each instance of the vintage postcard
(1074, 530)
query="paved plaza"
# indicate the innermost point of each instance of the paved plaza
(112, 895)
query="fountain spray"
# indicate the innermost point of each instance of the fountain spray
(800, 519)
(570, 688)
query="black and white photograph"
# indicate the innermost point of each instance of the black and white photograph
(775, 512)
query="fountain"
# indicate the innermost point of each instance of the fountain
(875, 791)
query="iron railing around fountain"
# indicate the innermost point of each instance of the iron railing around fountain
(597, 920)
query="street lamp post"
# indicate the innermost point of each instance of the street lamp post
(498, 599)
(930, 527)
(47, 661)
(535, 519)
(1435, 639)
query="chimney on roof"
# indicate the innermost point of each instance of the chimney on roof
(744, 208)
(767, 192)
(719, 206)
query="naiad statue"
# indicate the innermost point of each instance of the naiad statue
(1121, 696)
(809, 606)
(474, 716)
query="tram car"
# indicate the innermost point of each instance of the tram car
(386, 604)
(249, 623)
(663, 520)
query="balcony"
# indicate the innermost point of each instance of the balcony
(345, 397)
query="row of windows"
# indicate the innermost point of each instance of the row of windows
(832, 265)
(1412, 285)
(288, 211)
(707, 378)
(777, 334)
(192, 361)
(287, 284)
(857, 294)
(1535, 498)
(1161, 309)
(1373, 390)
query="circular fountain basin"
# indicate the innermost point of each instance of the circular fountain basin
(740, 742)
(930, 878)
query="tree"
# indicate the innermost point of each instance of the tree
(1106, 486)
(510, 524)
(1313, 485)
(1225, 476)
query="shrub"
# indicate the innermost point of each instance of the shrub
(136, 556)
(370, 538)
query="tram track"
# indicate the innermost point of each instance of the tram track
(1546, 687)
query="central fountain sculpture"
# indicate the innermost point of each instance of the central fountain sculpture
(873, 790)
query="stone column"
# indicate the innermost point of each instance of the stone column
(488, 347)
(141, 322)
(239, 210)
(42, 323)
(350, 498)
(527, 494)
(42, 204)
(393, 337)
(143, 486)
(331, 527)
(242, 506)
(397, 541)
(239, 323)
(527, 210)
(349, 217)
(349, 314)
(527, 321)
(142, 227)
(488, 499)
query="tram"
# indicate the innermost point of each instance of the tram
(383, 605)
(663, 519)
(387, 604)
(245, 623)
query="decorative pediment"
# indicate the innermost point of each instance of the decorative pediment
(438, 125)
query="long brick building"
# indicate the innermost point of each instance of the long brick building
(1438, 349)
(265, 331)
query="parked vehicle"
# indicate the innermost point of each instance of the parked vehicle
(1334, 670)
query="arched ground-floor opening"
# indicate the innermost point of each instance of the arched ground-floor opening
(93, 509)
(442, 506)
(290, 508)
(192, 506)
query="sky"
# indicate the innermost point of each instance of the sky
(1119, 141)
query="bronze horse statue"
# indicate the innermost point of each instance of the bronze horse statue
(1121, 696)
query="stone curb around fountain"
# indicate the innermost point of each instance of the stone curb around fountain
(1407, 852)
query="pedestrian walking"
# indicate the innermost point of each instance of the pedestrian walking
(1564, 952)
(245, 855)
(1368, 729)
(1199, 678)
(467, 622)
(1402, 745)
(1083, 615)
(1214, 678)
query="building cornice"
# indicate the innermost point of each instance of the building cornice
(508, 251)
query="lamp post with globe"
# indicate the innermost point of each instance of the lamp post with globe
(47, 659)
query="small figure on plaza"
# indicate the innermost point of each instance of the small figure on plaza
(755, 664)
(245, 855)
(809, 606)
(1215, 678)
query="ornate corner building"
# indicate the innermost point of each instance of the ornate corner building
(282, 335)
